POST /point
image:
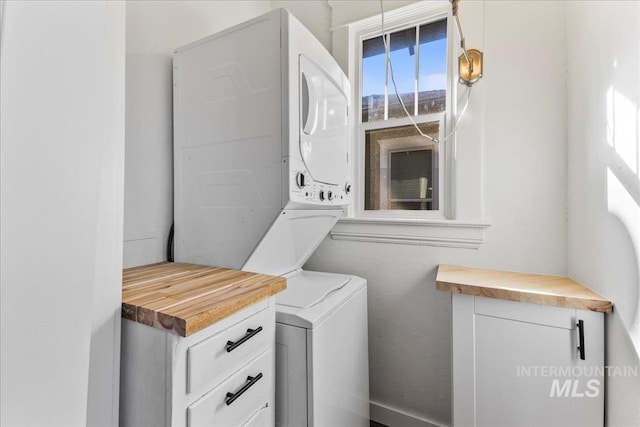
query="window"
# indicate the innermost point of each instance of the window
(401, 172)
(403, 183)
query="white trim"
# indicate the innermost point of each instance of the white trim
(411, 231)
(412, 13)
(402, 121)
(392, 417)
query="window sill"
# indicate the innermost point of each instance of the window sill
(445, 233)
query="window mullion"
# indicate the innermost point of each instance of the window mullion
(417, 72)
(386, 75)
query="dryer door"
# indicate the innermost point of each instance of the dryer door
(324, 124)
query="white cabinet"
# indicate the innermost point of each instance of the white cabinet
(528, 349)
(223, 375)
(519, 364)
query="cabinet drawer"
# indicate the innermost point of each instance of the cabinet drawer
(209, 362)
(263, 417)
(250, 387)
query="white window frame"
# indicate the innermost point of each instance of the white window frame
(433, 228)
(371, 28)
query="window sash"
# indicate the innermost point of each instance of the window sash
(359, 195)
(397, 40)
(424, 13)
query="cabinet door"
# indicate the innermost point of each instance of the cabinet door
(526, 367)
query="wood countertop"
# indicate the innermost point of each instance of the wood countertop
(185, 298)
(556, 291)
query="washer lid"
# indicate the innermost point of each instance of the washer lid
(291, 240)
(311, 297)
(304, 291)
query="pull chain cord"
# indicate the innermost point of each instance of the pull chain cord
(395, 88)
(463, 46)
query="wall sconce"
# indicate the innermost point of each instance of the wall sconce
(470, 62)
(470, 67)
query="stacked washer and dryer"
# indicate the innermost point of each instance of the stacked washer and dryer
(262, 172)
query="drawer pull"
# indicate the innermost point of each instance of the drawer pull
(231, 397)
(250, 333)
(580, 326)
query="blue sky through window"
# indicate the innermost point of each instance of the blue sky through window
(432, 64)
(373, 75)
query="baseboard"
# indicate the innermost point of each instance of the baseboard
(394, 418)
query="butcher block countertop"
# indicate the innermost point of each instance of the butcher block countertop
(185, 298)
(556, 291)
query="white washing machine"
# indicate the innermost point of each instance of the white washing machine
(261, 174)
(322, 361)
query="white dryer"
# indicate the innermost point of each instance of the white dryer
(261, 146)
(261, 174)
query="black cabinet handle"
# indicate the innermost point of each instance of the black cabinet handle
(250, 333)
(580, 326)
(231, 397)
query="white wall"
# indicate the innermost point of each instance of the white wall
(154, 30)
(62, 160)
(604, 179)
(516, 119)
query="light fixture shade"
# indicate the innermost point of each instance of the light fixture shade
(469, 75)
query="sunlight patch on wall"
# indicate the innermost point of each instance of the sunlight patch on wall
(623, 128)
(621, 204)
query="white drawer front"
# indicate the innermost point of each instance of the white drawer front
(263, 418)
(209, 362)
(215, 409)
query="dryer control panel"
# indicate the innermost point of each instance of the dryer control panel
(303, 189)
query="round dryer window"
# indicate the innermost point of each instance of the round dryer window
(324, 124)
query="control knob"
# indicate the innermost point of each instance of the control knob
(321, 195)
(300, 179)
(330, 195)
(347, 188)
